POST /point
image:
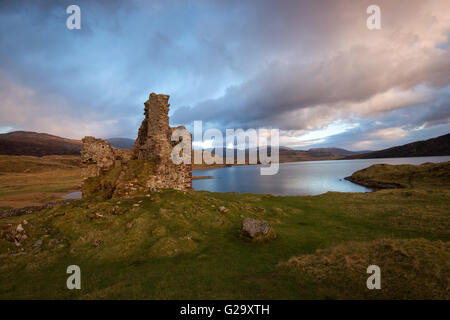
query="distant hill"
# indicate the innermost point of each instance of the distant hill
(439, 146)
(37, 144)
(121, 143)
(42, 144)
(290, 155)
(339, 151)
(27, 143)
(309, 155)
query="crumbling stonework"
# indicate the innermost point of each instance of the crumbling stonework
(153, 141)
(154, 144)
(97, 156)
(115, 172)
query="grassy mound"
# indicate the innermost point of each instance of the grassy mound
(410, 269)
(427, 175)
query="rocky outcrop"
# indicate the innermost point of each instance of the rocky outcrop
(111, 172)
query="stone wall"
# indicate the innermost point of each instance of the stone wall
(97, 157)
(153, 148)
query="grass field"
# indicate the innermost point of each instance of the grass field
(27, 181)
(179, 245)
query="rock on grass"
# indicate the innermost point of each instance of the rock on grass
(222, 209)
(257, 230)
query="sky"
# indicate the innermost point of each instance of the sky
(311, 69)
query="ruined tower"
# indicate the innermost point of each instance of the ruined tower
(112, 172)
(154, 144)
(153, 141)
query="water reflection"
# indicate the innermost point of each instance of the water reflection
(296, 178)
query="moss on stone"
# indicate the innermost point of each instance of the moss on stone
(119, 181)
(140, 170)
(103, 186)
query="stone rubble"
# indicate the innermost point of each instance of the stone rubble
(13, 234)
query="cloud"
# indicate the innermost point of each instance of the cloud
(364, 73)
(27, 109)
(388, 133)
(301, 66)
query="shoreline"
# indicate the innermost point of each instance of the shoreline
(375, 184)
(218, 166)
(202, 177)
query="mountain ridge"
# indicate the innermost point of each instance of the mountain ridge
(340, 151)
(41, 144)
(30, 143)
(438, 146)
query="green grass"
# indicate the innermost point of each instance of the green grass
(410, 269)
(177, 245)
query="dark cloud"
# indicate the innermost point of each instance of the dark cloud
(295, 65)
(356, 68)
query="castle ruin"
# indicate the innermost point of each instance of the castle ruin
(112, 172)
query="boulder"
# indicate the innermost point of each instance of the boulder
(222, 209)
(20, 228)
(37, 243)
(258, 230)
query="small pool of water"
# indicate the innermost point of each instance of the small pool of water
(72, 195)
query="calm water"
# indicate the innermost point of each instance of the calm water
(72, 195)
(296, 178)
